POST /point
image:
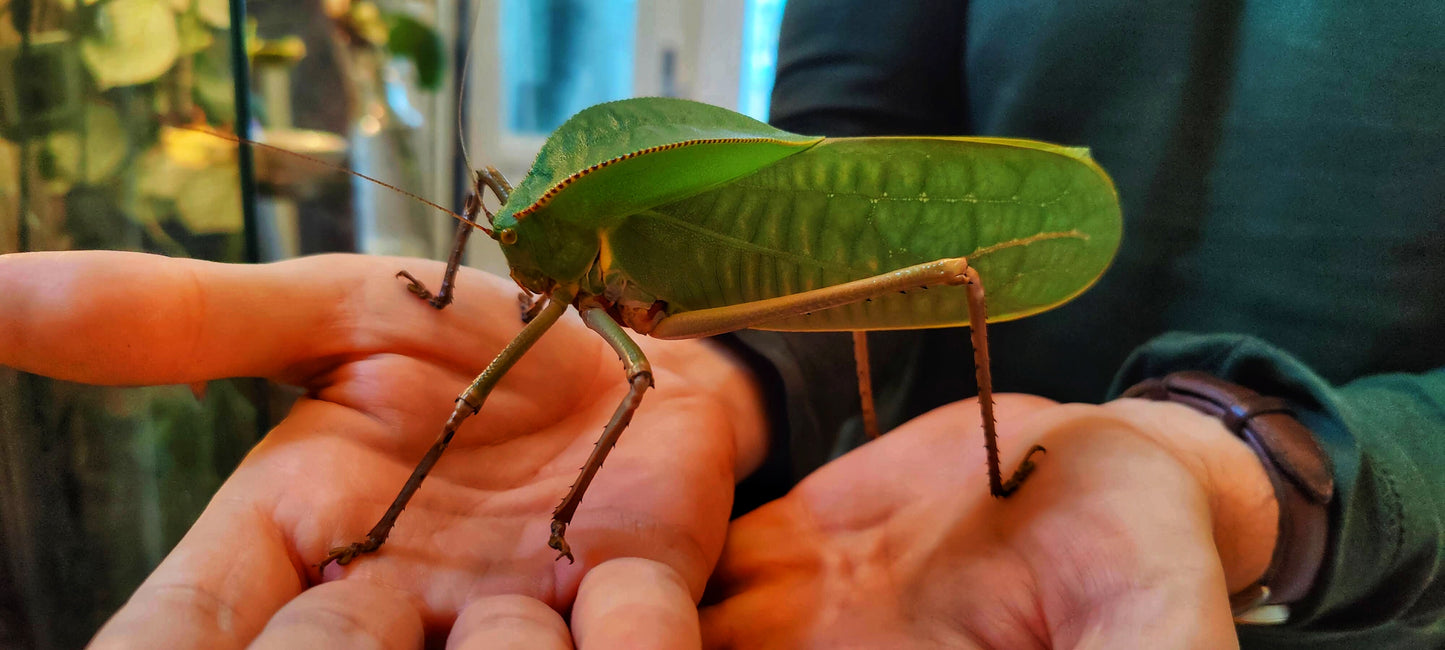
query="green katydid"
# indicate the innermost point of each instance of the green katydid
(678, 219)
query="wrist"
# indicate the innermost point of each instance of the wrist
(1243, 507)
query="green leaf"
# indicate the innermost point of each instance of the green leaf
(210, 201)
(411, 39)
(198, 173)
(137, 42)
(216, 13)
(211, 83)
(194, 34)
(89, 156)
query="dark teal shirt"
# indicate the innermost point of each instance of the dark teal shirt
(1282, 171)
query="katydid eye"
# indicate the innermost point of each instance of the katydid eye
(507, 236)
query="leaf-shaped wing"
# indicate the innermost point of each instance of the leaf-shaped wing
(617, 158)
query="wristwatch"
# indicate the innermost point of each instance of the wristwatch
(1298, 469)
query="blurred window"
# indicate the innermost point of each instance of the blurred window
(760, 56)
(561, 56)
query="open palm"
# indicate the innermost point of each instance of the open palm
(1112, 543)
(381, 369)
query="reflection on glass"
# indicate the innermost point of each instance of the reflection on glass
(561, 56)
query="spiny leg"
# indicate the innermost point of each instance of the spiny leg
(468, 403)
(950, 271)
(444, 296)
(639, 378)
(720, 320)
(865, 384)
(977, 324)
(491, 179)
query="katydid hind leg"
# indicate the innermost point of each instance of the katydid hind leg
(467, 404)
(978, 332)
(948, 271)
(639, 379)
(719, 320)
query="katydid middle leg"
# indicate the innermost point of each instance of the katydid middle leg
(951, 271)
(639, 379)
(865, 384)
(468, 403)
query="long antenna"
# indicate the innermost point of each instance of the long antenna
(317, 161)
(462, 87)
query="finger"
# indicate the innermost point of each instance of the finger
(511, 621)
(345, 614)
(770, 540)
(126, 318)
(634, 603)
(764, 614)
(217, 589)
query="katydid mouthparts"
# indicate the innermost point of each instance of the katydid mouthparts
(677, 219)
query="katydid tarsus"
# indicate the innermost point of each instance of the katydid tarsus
(677, 220)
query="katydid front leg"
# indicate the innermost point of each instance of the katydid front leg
(488, 178)
(444, 296)
(639, 379)
(468, 403)
(952, 271)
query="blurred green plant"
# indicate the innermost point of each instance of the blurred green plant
(399, 33)
(102, 482)
(88, 94)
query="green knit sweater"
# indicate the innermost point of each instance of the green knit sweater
(1282, 170)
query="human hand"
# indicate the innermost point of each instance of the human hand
(381, 370)
(1139, 522)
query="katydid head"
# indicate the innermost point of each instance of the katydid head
(543, 251)
(537, 256)
(522, 261)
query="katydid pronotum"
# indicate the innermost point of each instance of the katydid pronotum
(678, 219)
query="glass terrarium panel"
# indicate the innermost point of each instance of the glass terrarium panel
(102, 482)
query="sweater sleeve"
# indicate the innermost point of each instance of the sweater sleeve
(1382, 582)
(1225, 129)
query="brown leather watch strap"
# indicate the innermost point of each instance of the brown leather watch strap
(1297, 467)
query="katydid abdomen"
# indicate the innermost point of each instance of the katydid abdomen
(1038, 222)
